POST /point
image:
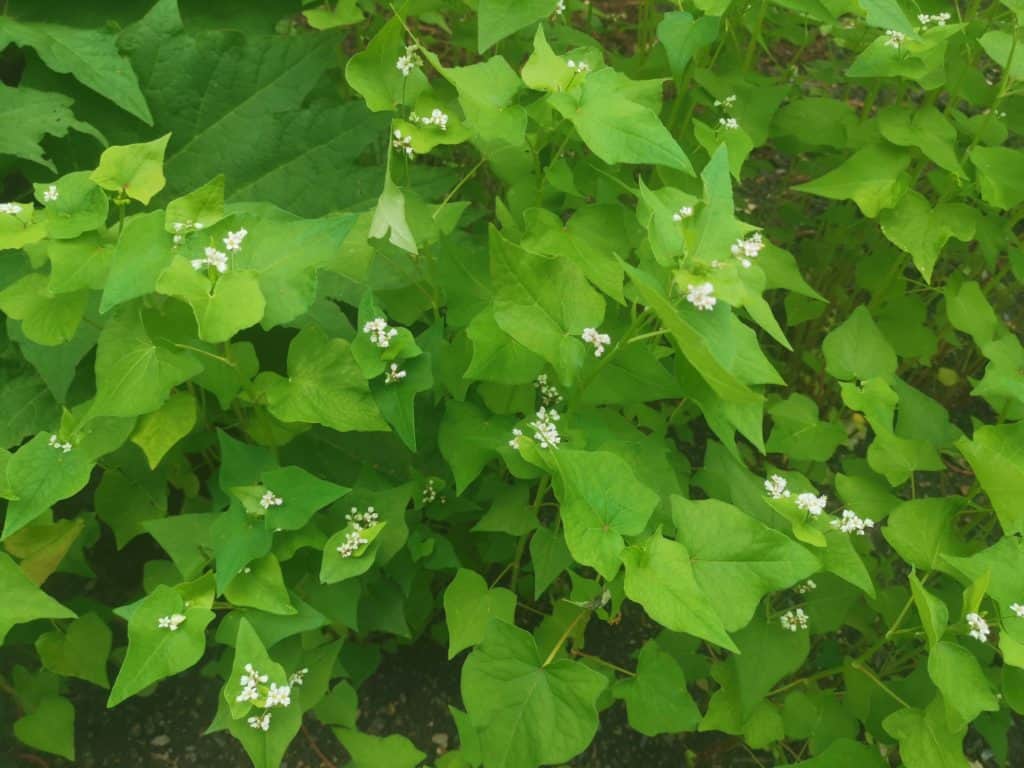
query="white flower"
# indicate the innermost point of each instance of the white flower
(380, 332)
(250, 683)
(352, 542)
(436, 117)
(171, 622)
(559, 8)
(514, 442)
(549, 394)
(354, 539)
(403, 143)
(591, 336)
(746, 249)
(701, 296)
(776, 487)
(851, 523)
(362, 520)
(278, 696)
(54, 442)
(270, 499)
(51, 194)
(545, 430)
(727, 103)
(298, 677)
(728, 123)
(814, 505)
(939, 19)
(979, 627)
(794, 620)
(807, 586)
(260, 722)
(429, 492)
(408, 61)
(684, 212)
(394, 375)
(199, 225)
(579, 67)
(233, 242)
(10, 208)
(894, 39)
(214, 258)
(1018, 609)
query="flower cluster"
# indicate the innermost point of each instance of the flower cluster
(979, 627)
(360, 521)
(591, 336)
(171, 622)
(775, 486)
(279, 696)
(403, 143)
(938, 19)
(727, 103)
(270, 499)
(813, 505)
(436, 117)
(746, 249)
(794, 620)
(851, 523)
(807, 586)
(684, 212)
(728, 123)
(545, 429)
(380, 332)
(260, 722)
(578, 67)
(233, 242)
(429, 492)
(50, 194)
(253, 683)
(12, 209)
(549, 394)
(408, 61)
(702, 296)
(298, 677)
(250, 682)
(394, 375)
(184, 228)
(559, 8)
(212, 258)
(54, 442)
(894, 39)
(1018, 609)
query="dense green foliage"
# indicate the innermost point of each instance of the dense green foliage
(487, 322)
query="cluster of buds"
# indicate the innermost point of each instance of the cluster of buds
(702, 296)
(380, 332)
(812, 504)
(403, 143)
(171, 622)
(807, 586)
(436, 117)
(938, 19)
(776, 487)
(851, 523)
(684, 212)
(50, 194)
(54, 442)
(549, 394)
(578, 67)
(747, 249)
(183, 229)
(270, 499)
(794, 620)
(894, 39)
(354, 539)
(408, 61)
(394, 374)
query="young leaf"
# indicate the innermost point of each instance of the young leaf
(468, 607)
(136, 170)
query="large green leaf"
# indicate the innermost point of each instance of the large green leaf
(24, 601)
(656, 698)
(222, 308)
(80, 651)
(49, 727)
(872, 177)
(996, 453)
(957, 673)
(36, 114)
(926, 739)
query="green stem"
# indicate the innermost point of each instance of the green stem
(565, 636)
(860, 667)
(602, 662)
(542, 490)
(454, 190)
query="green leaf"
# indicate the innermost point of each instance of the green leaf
(682, 37)
(134, 375)
(958, 675)
(373, 73)
(37, 114)
(89, 55)
(550, 557)
(261, 586)
(999, 46)
(923, 530)
(468, 607)
(926, 740)
(969, 311)
(142, 252)
(996, 454)
(497, 19)
(38, 476)
(335, 567)
(1000, 175)
(660, 576)
(79, 651)
(873, 177)
(368, 751)
(528, 712)
(162, 429)
(856, 349)
(927, 129)
(46, 318)
(324, 386)
(28, 406)
(389, 219)
(222, 308)
(24, 601)
(922, 231)
(596, 515)
(933, 611)
(736, 558)
(799, 434)
(80, 264)
(545, 70)
(656, 698)
(204, 207)
(844, 753)
(302, 493)
(49, 727)
(155, 652)
(136, 170)
(887, 14)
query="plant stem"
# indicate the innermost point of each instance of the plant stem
(542, 489)
(602, 662)
(860, 667)
(457, 187)
(564, 637)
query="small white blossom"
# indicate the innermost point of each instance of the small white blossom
(549, 394)
(1018, 610)
(894, 39)
(516, 435)
(727, 103)
(776, 487)
(684, 212)
(979, 627)
(938, 19)
(394, 375)
(51, 194)
(599, 340)
(814, 505)
(233, 242)
(250, 683)
(198, 225)
(748, 248)
(851, 523)
(213, 258)
(559, 8)
(702, 296)
(270, 499)
(380, 332)
(408, 61)
(545, 430)
(436, 117)
(807, 586)
(351, 544)
(54, 442)
(794, 620)
(579, 67)
(171, 622)
(728, 123)
(12, 209)
(298, 677)
(278, 696)
(429, 492)
(354, 539)
(403, 143)
(260, 722)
